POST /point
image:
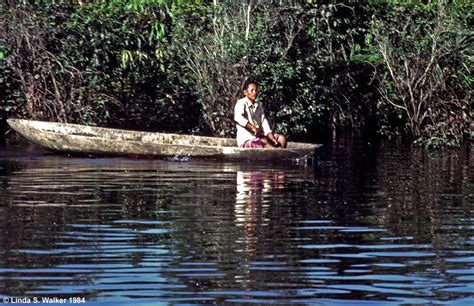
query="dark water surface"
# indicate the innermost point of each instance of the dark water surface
(370, 224)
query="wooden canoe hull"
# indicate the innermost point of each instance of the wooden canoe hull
(81, 139)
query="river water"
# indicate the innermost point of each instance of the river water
(366, 224)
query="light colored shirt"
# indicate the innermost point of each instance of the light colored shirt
(245, 111)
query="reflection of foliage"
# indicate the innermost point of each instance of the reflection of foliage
(198, 225)
(424, 194)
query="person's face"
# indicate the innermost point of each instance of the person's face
(251, 92)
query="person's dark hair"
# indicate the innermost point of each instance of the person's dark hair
(247, 83)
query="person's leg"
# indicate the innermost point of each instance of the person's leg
(281, 140)
(265, 143)
(253, 143)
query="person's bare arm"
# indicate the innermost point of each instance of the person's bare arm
(249, 126)
(272, 140)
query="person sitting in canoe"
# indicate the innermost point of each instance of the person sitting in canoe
(253, 130)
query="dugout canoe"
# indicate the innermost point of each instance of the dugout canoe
(90, 140)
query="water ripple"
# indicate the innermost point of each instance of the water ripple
(383, 227)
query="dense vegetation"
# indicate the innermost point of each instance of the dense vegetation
(169, 65)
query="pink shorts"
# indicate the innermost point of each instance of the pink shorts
(256, 142)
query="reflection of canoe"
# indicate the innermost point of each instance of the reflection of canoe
(74, 138)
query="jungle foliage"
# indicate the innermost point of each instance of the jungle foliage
(171, 65)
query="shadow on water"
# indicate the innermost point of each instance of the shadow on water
(369, 223)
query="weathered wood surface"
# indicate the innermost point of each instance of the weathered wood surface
(74, 138)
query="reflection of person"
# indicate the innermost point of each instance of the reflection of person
(253, 130)
(251, 206)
